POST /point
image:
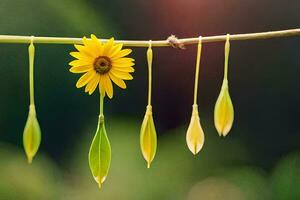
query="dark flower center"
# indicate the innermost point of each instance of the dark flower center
(102, 64)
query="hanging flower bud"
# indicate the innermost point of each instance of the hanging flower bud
(100, 153)
(32, 131)
(31, 134)
(224, 112)
(148, 138)
(195, 134)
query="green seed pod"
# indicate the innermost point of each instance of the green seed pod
(224, 112)
(31, 134)
(148, 138)
(100, 153)
(195, 134)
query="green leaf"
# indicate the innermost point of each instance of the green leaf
(31, 134)
(100, 153)
(148, 138)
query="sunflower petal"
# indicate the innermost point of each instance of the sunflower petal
(81, 69)
(85, 42)
(89, 44)
(124, 69)
(115, 49)
(79, 47)
(108, 46)
(95, 39)
(80, 56)
(102, 85)
(84, 79)
(82, 49)
(108, 86)
(122, 53)
(129, 64)
(76, 63)
(90, 84)
(121, 75)
(97, 44)
(117, 81)
(123, 61)
(94, 85)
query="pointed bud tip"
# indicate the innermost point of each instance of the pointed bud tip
(100, 182)
(194, 151)
(220, 133)
(29, 159)
(223, 133)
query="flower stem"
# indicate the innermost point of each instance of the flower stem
(101, 104)
(227, 50)
(158, 43)
(199, 49)
(149, 60)
(31, 52)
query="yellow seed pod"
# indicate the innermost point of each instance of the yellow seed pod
(195, 134)
(148, 138)
(224, 112)
(31, 134)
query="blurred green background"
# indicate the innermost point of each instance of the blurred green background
(259, 159)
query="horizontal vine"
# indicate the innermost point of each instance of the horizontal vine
(171, 41)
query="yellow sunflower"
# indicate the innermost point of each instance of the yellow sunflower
(102, 63)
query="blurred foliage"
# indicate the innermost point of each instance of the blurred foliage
(21, 181)
(286, 178)
(52, 17)
(175, 173)
(251, 181)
